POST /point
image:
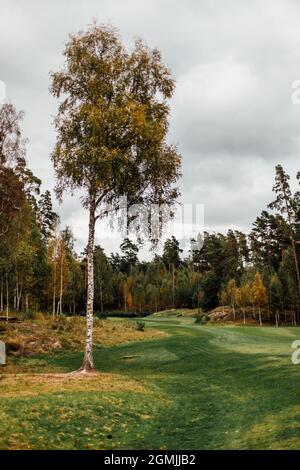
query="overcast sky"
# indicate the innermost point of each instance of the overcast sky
(234, 63)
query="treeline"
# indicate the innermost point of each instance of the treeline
(256, 274)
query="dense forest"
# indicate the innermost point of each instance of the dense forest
(254, 274)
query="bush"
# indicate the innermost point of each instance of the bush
(101, 315)
(29, 315)
(140, 325)
(121, 314)
(40, 316)
(61, 324)
(201, 319)
(13, 346)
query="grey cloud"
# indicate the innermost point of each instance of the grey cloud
(232, 116)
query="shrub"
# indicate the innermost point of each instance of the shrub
(140, 325)
(120, 314)
(61, 324)
(101, 315)
(40, 316)
(201, 319)
(29, 315)
(13, 346)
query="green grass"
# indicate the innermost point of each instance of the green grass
(207, 387)
(183, 312)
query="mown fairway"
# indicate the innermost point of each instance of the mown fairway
(201, 387)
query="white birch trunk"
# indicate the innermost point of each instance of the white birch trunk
(88, 362)
(54, 291)
(259, 316)
(61, 278)
(233, 311)
(173, 286)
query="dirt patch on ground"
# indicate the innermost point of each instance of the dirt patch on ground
(45, 334)
(29, 385)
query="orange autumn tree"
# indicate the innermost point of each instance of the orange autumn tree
(259, 293)
(243, 298)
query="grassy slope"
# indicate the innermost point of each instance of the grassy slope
(182, 312)
(205, 387)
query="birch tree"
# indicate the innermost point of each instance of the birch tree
(111, 128)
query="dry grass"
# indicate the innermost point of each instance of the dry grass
(31, 337)
(30, 385)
